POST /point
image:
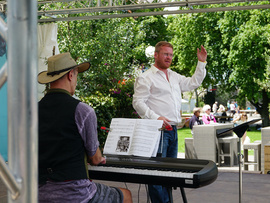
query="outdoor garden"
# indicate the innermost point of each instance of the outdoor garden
(238, 62)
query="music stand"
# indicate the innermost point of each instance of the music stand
(240, 131)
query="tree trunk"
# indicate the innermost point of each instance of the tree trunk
(197, 98)
(265, 109)
(262, 108)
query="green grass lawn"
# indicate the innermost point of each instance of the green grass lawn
(182, 134)
(185, 132)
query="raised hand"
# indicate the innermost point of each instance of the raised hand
(202, 54)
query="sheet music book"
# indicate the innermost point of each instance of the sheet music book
(138, 137)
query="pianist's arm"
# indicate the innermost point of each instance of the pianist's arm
(97, 158)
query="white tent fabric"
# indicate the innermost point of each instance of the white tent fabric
(184, 101)
(47, 40)
(188, 105)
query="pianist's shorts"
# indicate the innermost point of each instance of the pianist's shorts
(107, 194)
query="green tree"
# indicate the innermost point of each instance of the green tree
(250, 50)
(116, 49)
(190, 32)
(238, 46)
(108, 45)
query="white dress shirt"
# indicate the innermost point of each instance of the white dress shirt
(155, 96)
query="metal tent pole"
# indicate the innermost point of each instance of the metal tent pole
(240, 159)
(22, 98)
(239, 131)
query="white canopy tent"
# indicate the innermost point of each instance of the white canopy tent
(47, 44)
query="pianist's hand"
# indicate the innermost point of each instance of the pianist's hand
(103, 160)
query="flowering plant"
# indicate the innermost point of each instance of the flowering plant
(122, 93)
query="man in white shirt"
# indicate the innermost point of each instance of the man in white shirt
(157, 95)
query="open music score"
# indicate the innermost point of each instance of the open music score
(138, 137)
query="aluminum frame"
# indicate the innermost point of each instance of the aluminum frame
(102, 9)
(20, 175)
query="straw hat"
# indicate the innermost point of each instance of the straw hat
(58, 66)
(196, 109)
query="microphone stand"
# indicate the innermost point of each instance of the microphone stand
(240, 131)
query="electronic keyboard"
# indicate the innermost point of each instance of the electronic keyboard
(169, 172)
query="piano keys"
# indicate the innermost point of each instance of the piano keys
(169, 172)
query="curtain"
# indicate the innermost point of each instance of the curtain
(47, 42)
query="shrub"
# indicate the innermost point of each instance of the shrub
(117, 104)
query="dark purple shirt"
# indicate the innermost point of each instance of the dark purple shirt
(76, 191)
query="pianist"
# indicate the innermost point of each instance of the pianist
(68, 139)
(157, 95)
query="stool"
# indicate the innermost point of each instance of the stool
(228, 150)
(257, 156)
(189, 149)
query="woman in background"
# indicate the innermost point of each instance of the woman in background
(208, 118)
(239, 120)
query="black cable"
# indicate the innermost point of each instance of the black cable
(139, 193)
(147, 194)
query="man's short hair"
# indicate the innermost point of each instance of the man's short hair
(161, 44)
(196, 109)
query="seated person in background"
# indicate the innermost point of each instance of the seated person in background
(236, 117)
(242, 118)
(208, 117)
(221, 108)
(194, 120)
(68, 140)
(222, 112)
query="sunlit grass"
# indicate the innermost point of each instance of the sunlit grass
(182, 134)
(254, 134)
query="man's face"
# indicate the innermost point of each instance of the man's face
(197, 113)
(74, 80)
(163, 58)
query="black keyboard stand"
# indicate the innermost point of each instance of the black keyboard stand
(182, 193)
(170, 194)
(240, 131)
